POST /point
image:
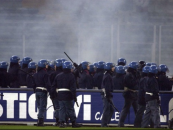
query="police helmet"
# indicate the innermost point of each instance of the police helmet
(92, 68)
(121, 61)
(153, 69)
(14, 59)
(26, 60)
(3, 65)
(148, 64)
(63, 60)
(154, 64)
(163, 68)
(42, 63)
(120, 69)
(67, 65)
(32, 65)
(133, 65)
(52, 64)
(100, 65)
(146, 69)
(95, 64)
(108, 65)
(58, 62)
(84, 64)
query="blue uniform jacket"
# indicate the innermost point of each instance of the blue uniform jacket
(151, 86)
(118, 81)
(85, 80)
(141, 91)
(13, 76)
(98, 77)
(41, 79)
(4, 78)
(65, 80)
(22, 77)
(107, 84)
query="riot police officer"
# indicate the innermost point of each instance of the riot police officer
(65, 86)
(130, 92)
(85, 80)
(22, 74)
(118, 79)
(139, 70)
(53, 95)
(32, 66)
(13, 71)
(141, 97)
(163, 81)
(152, 99)
(41, 87)
(98, 77)
(107, 87)
(4, 78)
(51, 67)
(121, 61)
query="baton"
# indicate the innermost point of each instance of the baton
(77, 104)
(68, 57)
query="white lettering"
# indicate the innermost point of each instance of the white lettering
(117, 115)
(1, 110)
(87, 107)
(32, 107)
(87, 112)
(22, 110)
(87, 98)
(22, 106)
(97, 118)
(10, 98)
(170, 109)
(79, 100)
(49, 113)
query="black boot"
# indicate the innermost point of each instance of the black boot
(40, 122)
(62, 125)
(75, 125)
(57, 122)
(67, 122)
(170, 124)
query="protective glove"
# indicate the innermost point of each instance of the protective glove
(75, 99)
(75, 65)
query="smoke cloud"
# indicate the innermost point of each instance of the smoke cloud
(87, 30)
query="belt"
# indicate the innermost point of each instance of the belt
(62, 89)
(151, 94)
(42, 88)
(127, 89)
(23, 86)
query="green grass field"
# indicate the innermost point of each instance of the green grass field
(24, 127)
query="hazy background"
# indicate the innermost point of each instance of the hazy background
(89, 30)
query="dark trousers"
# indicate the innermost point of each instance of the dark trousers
(108, 111)
(152, 112)
(56, 107)
(41, 100)
(139, 115)
(66, 108)
(127, 104)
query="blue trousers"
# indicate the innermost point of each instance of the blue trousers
(139, 115)
(41, 100)
(152, 112)
(56, 107)
(108, 111)
(66, 108)
(127, 104)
